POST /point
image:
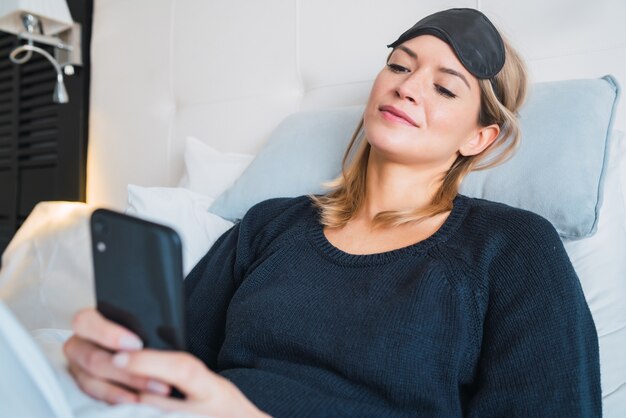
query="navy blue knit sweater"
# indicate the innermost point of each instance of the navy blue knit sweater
(484, 318)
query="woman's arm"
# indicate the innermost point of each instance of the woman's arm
(539, 353)
(209, 287)
(108, 364)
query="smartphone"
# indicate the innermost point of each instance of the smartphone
(138, 274)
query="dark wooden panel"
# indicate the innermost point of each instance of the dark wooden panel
(36, 184)
(7, 203)
(6, 233)
(9, 76)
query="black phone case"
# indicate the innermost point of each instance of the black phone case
(139, 277)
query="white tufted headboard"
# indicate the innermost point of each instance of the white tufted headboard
(228, 71)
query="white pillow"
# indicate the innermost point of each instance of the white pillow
(47, 273)
(183, 210)
(600, 263)
(209, 171)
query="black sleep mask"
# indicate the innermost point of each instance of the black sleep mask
(471, 35)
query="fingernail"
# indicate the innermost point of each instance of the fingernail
(130, 342)
(120, 360)
(157, 387)
(124, 399)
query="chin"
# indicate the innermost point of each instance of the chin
(390, 138)
(391, 149)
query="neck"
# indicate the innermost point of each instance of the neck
(391, 186)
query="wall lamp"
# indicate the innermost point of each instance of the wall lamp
(45, 22)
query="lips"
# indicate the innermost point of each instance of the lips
(395, 114)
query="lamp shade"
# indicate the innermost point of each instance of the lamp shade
(54, 15)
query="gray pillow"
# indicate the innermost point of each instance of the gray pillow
(557, 172)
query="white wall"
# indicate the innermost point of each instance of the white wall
(565, 39)
(228, 71)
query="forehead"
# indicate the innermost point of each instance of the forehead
(431, 48)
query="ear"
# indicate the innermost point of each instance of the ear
(481, 140)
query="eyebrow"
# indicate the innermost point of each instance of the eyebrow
(456, 73)
(442, 69)
(408, 51)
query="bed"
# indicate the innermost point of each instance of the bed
(201, 109)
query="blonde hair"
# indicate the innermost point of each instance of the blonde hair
(347, 191)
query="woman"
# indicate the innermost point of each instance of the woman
(392, 295)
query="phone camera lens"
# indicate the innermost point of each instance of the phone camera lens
(99, 227)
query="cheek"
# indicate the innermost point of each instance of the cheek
(372, 105)
(374, 93)
(444, 118)
(456, 119)
(382, 85)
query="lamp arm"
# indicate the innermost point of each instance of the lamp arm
(60, 93)
(13, 56)
(43, 39)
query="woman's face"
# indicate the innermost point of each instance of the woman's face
(424, 105)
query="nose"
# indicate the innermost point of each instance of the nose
(410, 88)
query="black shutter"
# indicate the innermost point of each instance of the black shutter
(8, 134)
(43, 145)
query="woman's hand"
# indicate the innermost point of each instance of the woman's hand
(206, 392)
(90, 352)
(107, 362)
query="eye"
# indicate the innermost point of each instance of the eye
(397, 68)
(444, 92)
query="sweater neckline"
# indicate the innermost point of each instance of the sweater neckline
(327, 249)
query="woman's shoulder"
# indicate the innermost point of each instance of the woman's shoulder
(278, 207)
(510, 227)
(511, 244)
(271, 218)
(494, 214)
